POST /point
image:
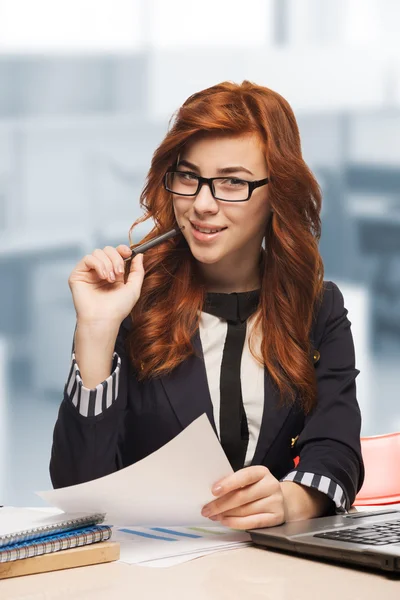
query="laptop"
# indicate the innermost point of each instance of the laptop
(370, 539)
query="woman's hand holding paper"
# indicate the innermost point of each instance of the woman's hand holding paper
(250, 498)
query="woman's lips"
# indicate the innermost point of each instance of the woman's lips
(205, 237)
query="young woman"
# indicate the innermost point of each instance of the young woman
(231, 318)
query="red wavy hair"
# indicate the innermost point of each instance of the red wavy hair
(167, 313)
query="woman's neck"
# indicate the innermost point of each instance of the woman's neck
(220, 282)
(236, 273)
(226, 289)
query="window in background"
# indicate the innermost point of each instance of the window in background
(70, 25)
(210, 23)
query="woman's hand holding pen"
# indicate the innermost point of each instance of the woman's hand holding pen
(98, 289)
(104, 292)
(250, 498)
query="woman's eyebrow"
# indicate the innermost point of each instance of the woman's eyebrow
(223, 171)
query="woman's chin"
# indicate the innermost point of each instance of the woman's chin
(206, 257)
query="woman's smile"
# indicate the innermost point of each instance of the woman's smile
(206, 234)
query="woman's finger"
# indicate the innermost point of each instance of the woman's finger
(93, 263)
(270, 505)
(124, 251)
(107, 263)
(117, 261)
(251, 493)
(253, 521)
(240, 479)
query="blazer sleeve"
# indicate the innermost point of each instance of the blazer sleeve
(86, 447)
(90, 402)
(329, 445)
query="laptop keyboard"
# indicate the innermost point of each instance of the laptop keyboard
(374, 535)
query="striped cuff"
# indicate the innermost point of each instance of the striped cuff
(90, 403)
(323, 484)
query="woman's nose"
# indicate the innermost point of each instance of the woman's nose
(205, 201)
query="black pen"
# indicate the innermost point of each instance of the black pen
(150, 244)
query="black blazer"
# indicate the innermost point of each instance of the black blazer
(148, 414)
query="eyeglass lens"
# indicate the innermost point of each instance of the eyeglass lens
(228, 188)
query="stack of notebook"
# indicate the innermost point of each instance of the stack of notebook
(34, 542)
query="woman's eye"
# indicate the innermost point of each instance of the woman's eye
(187, 176)
(234, 182)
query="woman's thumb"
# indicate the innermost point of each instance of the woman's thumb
(136, 272)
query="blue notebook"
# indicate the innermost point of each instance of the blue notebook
(54, 543)
(23, 525)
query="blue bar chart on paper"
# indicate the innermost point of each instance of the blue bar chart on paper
(165, 546)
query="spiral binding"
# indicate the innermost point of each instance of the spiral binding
(53, 543)
(53, 528)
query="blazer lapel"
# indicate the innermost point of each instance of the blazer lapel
(274, 416)
(187, 388)
(187, 391)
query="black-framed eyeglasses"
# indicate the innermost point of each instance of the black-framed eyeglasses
(227, 189)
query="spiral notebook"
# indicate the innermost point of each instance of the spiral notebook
(54, 543)
(22, 525)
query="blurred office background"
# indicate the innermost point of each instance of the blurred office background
(87, 88)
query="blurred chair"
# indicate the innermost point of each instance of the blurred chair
(381, 454)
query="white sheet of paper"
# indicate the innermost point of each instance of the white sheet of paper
(13, 520)
(144, 544)
(171, 561)
(168, 487)
(17, 520)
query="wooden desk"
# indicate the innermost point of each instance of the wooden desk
(238, 574)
